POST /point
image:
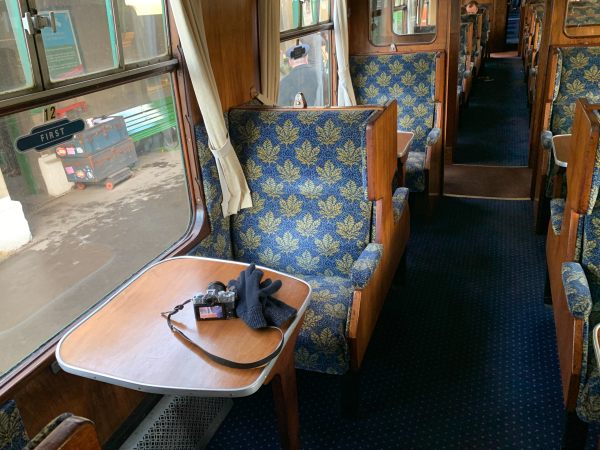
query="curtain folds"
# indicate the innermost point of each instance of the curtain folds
(340, 26)
(190, 26)
(268, 38)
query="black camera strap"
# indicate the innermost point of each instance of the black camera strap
(224, 361)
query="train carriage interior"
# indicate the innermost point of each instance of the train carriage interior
(293, 224)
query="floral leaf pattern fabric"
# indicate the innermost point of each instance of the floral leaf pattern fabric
(399, 202)
(312, 216)
(577, 290)
(322, 344)
(557, 210)
(407, 78)
(415, 172)
(582, 14)
(579, 71)
(12, 430)
(364, 267)
(588, 401)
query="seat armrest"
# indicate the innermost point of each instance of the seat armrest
(467, 74)
(577, 290)
(364, 267)
(399, 200)
(546, 139)
(433, 136)
(71, 433)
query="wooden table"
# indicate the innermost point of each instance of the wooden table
(403, 142)
(561, 145)
(127, 342)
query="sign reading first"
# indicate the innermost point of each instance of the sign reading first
(50, 134)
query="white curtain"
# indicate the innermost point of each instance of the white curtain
(190, 26)
(268, 39)
(340, 26)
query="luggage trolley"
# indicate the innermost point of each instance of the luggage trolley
(102, 153)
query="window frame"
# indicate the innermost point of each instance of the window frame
(301, 31)
(41, 71)
(198, 227)
(402, 39)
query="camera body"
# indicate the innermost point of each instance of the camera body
(217, 303)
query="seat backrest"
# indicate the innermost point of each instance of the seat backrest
(307, 171)
(14, 435)
(582, 14)
(408, 78)
(577, 75)
(462, 52)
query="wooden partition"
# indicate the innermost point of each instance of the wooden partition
(359, 23)
(563, 247)
(553, 36)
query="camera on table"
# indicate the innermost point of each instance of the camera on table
(214, 304)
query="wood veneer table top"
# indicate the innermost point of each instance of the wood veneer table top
(403, 141)
(561, 145)
(127, 342)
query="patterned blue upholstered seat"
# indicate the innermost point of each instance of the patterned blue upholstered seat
(557, 210)
(310, 217)
(576, 76)
(408, 78)
(12, 430)
(581, 277)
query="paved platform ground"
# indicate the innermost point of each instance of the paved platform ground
(85, 244)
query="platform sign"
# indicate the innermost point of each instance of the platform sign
(50, 134)
(61, 48)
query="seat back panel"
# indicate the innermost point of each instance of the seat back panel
(408, 78)
(307, 173)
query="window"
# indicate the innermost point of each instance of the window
(402, 21)
(305, 52)
(17, 73)
(582, 18)
(102, 205)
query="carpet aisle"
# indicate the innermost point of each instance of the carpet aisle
(463, 356)
(494, 128)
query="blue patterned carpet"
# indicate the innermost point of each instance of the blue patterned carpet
(462, 358)
(512, 30)
(494, 128)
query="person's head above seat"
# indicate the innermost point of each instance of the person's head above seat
(472, 7)
(298, 54)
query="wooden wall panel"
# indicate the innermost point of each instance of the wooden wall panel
(232, 37)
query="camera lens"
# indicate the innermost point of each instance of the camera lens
(217, 286)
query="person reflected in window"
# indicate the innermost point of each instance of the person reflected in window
(302, 78)
(472, 7)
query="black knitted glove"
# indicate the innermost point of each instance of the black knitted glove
(249, 306)
(275, 311)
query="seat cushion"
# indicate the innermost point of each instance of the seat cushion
(322, 344)
(399, 202)
(557, 209)
(415, 172)
(12, 430)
